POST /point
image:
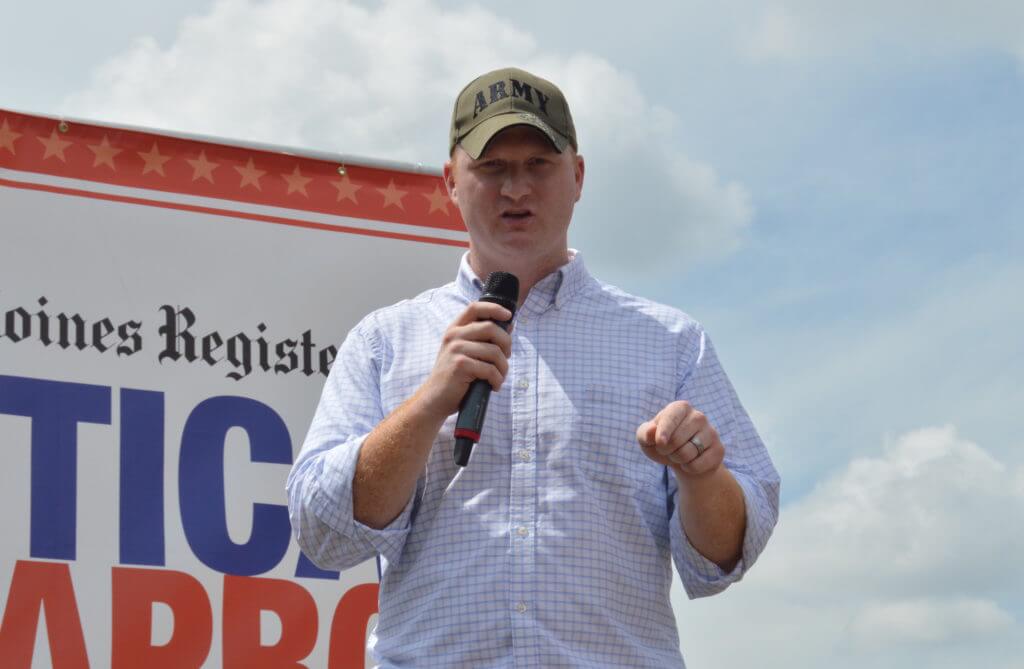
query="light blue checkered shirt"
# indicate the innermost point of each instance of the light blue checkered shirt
(553, 547)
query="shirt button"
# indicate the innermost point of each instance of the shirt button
(523, 319)
(521, 607)
(524, 384)
(524, 455)
(522, 531)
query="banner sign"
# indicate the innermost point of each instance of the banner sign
(169, 309)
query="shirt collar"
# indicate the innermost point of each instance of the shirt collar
(554, 289)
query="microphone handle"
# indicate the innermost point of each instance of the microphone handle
(472, 412)
(471, 417)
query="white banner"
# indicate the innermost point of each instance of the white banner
(169, 309)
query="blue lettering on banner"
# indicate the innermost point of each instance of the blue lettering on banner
(142, 477)
(201, 485)
(56, 408)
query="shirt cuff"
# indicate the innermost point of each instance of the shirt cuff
(333, 506)
(700, 576)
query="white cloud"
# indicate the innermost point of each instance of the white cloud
(331, 75)
(909, 553)
(379, 81)
(927, 621)
(917, 520)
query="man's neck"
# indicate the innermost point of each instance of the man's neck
(528, 273)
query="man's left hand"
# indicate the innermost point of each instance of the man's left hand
(671, 438)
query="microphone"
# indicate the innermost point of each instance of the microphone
(502, 288)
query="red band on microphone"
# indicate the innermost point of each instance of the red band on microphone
(466, 432)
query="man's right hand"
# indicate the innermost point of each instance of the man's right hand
(473, 347)
(394, 454)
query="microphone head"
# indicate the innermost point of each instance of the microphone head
(502, 288)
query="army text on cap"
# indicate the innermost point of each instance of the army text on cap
(519, 90)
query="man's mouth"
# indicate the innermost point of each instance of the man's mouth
(516, 214)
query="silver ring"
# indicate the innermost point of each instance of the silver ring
(699, 445)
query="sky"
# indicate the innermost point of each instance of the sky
(834, 189)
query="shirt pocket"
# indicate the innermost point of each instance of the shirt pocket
(607, 450)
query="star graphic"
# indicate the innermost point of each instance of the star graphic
(392, 195)
(7, 137)
(346, 189)
(154, 161)
(202, 168)
(296, 182)
(250, 175)
(54, 146)
(104, 153)
(438, 201)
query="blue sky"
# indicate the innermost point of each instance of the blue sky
(836, 192)
(904, 189)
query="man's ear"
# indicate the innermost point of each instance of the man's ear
(580, 170)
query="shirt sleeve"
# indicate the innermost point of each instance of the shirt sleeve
(705, 386)
(320, 482)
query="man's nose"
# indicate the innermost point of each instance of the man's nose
(516, 184)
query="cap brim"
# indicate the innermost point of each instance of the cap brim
(476, 140)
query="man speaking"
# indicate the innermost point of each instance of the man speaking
(613, 445)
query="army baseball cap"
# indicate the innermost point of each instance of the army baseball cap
(506, 97)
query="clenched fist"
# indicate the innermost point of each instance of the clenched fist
(671, 438)
(473, 347)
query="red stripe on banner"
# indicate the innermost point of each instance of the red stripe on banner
(279, 220)
(151, 161)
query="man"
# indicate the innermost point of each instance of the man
(614, 443)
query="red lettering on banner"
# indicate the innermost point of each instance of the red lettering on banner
(46, 586)
(134, 591)
(244, 598)
(348, 628)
